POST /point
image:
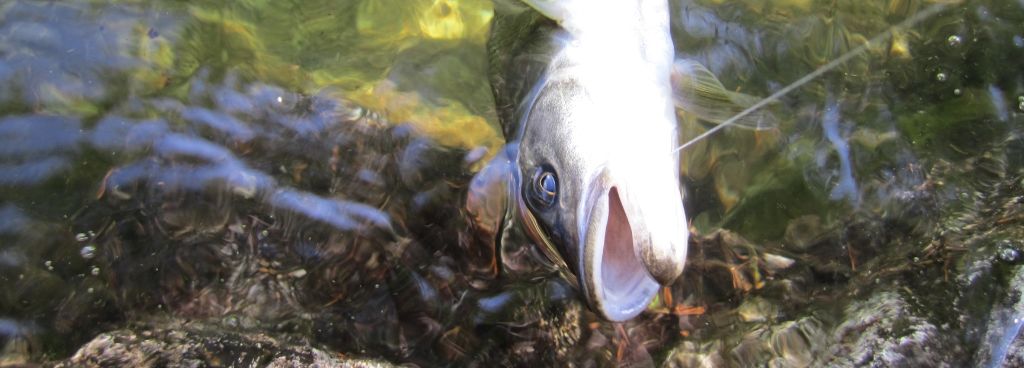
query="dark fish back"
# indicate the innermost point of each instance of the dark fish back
(519, 51)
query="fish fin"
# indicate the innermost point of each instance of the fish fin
(486, 197)
(696, 90)
(486, 206)
(510, 6)
(552, 9)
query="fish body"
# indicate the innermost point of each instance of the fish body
(584, 95)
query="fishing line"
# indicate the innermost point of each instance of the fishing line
(906, 23)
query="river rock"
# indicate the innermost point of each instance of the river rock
(191, 344)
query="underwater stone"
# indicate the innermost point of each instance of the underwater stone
(1001, 344)
(88, 251)
(193, 344)
(1009, 252)
(885, 331)
(1015, 355)
(802, 231)
(797, 343)
(757, 309)
(689, 354)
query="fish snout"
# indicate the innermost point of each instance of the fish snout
(664, 253)
(614, 277)
(663, 235)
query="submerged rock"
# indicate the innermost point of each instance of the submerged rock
(1003, 343)
(193, 344)
(943, 288)
(886, 331)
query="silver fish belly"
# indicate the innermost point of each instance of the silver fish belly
(584, 96)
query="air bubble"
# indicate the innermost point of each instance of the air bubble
(954, 40)
(95, 271)
(88, 251)
(81, 237)
(49, 265)
(957, 91)
(941, 77)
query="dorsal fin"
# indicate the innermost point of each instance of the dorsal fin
(560, 11)
(517, 57)
(510, 6)
(555, 10)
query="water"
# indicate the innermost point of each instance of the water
(299, 169)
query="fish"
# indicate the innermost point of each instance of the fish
(586, 92)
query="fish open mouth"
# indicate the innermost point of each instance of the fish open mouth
(624, 285)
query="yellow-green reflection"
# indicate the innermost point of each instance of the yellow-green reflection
(351, 48)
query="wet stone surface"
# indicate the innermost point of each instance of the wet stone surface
(885, 331)
(192, 344)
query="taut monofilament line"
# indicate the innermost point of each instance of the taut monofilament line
(906, 23)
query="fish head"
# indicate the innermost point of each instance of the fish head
(583, 91)
(597, 184)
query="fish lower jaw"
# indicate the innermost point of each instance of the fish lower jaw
(615, 281)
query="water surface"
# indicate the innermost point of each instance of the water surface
(299, 168)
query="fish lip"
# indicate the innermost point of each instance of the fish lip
(618, 288)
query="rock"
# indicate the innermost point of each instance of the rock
(788, 344)
(15, 353)
(802, 231)
(757, 309)
(186, 344)
(689, 354)
(1015, 353)
(885, 331)
(1002, 344)
(797, 343)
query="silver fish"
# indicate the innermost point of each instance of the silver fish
(584, 95)
(586, 92)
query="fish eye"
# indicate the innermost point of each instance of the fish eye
(545, 188)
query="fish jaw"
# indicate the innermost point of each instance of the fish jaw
(612, 274)
(633, 236)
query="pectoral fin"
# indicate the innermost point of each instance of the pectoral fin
(486, 202)
(697, 91)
